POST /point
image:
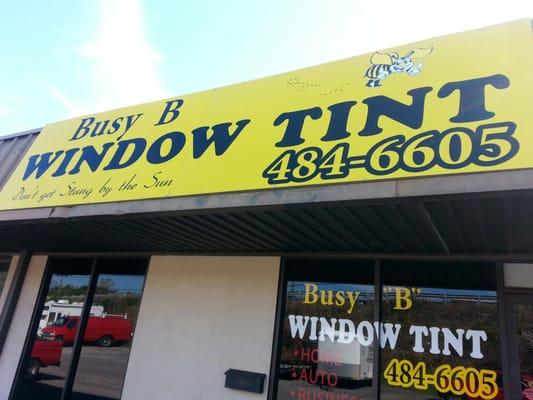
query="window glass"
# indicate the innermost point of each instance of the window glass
(4, 268)
(44, 370)
(444, 341)
(109, 332)
(327, 334)
(437, 336)
(523, 314)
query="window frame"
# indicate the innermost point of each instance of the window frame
(95, 269)
(378, 286)
(11, 266)
(511, 299)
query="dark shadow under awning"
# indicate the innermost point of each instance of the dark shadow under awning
(483, 224)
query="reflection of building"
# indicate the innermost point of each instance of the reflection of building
(349, 361)
(433, 182)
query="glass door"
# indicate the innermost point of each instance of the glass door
(43, 372)
(79, 342)
(109, 331)
(519, 314)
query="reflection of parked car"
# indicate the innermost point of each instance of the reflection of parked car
(103, 330)
(43, 353)
(53, 310)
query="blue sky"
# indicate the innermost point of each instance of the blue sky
(62, 59)
(121, 283)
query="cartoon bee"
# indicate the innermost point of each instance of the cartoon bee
(385, 64)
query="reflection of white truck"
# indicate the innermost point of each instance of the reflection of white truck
(53, 310)
(351, 360)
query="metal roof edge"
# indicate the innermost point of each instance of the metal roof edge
(20, 134)
(426, 187)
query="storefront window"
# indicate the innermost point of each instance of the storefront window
(106, 359)
(523, 315)
(80, 349)
(327, 338)
(437, 336)
(446, 343)
(45, 369)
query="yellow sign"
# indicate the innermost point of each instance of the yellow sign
(455, 104)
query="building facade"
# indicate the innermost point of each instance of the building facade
(385, 253)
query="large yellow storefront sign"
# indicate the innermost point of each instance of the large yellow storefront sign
(455, 104)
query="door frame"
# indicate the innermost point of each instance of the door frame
(511, 298)
(94, 268)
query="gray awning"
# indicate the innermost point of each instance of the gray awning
(449, 225)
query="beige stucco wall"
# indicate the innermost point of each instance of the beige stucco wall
(10, 355)
(199, 317)
(518, 275)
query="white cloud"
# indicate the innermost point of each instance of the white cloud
(121, 65)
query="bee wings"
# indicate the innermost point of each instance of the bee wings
(420, 53)
(382, 58)
(388, 58)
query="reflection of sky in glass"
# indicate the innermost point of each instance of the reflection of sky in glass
(297, 288)
(69, 280)
(299, 285)
(120, 283)
(445, 294)
(458, 292)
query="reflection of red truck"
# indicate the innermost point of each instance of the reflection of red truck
(103, 330)
(43, 353)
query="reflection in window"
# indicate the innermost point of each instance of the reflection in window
(523, 314)
(327, 332)
(108, 336)
(4, 267)
(437, 335)
(448, 343)
(46, 368)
